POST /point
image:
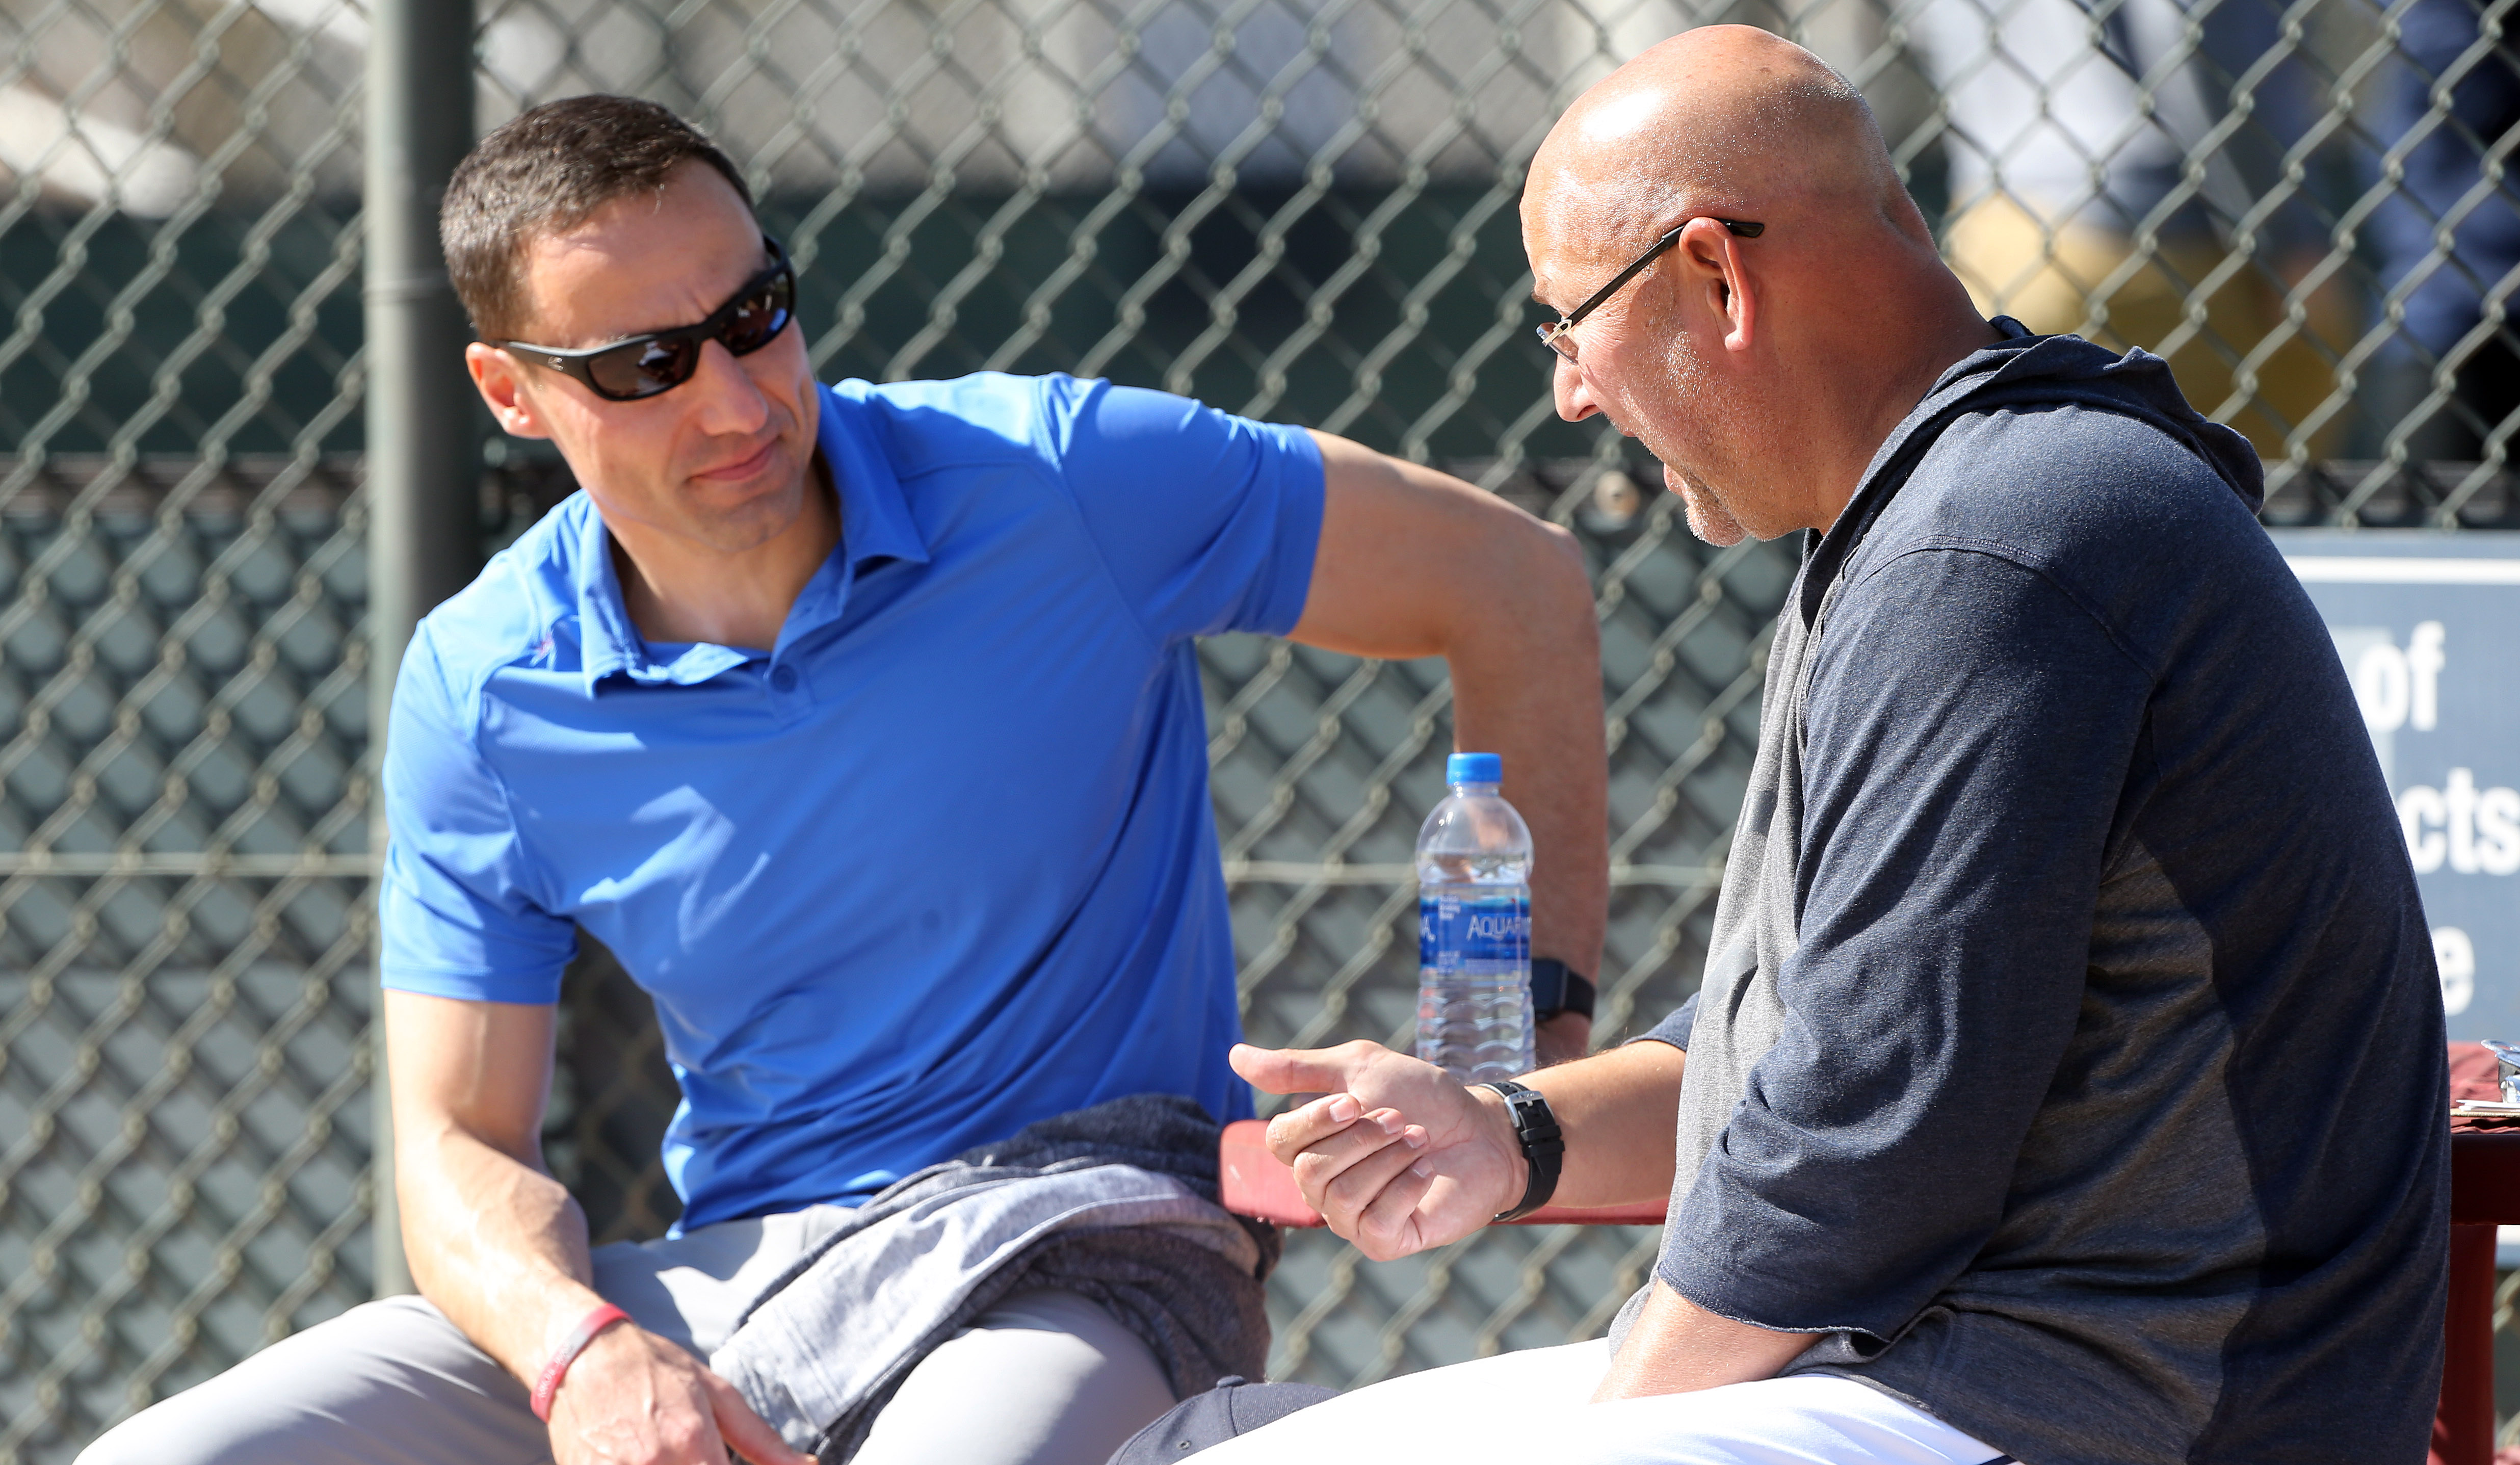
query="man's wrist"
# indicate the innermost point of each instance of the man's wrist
(1537, 1136)
(575, 1340)
(1557, 988)
(1499, 1118)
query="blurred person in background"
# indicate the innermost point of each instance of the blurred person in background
(864, 725)
(2068, 128)
(2454, 290)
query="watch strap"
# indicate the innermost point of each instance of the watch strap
(1557, 987)
(1544, 1144)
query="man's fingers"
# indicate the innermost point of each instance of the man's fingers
(1324, 1162)
(1345, 1196)
(1301, 1070)
(1391, 1227)
(1302, 1128)
(746, 1433)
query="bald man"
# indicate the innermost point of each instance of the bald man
(2066, 1083)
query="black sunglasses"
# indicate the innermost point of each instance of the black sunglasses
(641, 366)
(1554, 335)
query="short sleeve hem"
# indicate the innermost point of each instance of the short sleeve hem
(470, 987)
(1299, 529)
(1673, 1030)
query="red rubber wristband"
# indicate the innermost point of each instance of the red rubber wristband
(566, 1353)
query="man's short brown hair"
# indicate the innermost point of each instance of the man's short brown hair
(546, 172)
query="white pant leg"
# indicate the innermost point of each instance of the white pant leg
(1808, 1419)
(1466, 1413)
(1043, 1378)
(1533, 1406)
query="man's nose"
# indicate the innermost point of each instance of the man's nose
(725, 398)
(1573, 393)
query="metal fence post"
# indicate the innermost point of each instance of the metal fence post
(422, 468)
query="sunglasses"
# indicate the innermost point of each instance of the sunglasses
(642, 366)
(1554, 335)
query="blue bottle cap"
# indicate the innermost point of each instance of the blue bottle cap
(1474, 768)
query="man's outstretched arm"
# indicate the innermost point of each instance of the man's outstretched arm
(1415, 563)
(501, 1249)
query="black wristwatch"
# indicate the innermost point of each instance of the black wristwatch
(1557, 987)
(1544, 1147)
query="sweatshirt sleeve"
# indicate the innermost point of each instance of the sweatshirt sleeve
(1969, 729)
(1673, 1030)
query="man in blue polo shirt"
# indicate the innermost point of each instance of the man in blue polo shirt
(863, 723)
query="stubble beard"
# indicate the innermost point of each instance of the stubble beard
(1695, 400)
(1708, 517)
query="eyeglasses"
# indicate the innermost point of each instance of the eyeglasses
(642, 366)
(1554, 335)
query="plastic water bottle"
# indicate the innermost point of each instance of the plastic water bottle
(1475, 1017)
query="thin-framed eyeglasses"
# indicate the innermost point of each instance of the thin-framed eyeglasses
(1554, 335)
(644, 365)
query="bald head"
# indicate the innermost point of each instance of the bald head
(1727, 120)
(1761, 367)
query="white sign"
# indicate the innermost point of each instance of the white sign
(2428, 627)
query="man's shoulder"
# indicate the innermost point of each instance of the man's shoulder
(2063, 478)
(2103, 501)
(988, 419)
(995, 420)
(522, 607)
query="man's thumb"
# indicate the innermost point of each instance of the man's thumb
(1294, 1070)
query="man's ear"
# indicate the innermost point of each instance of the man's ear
(501, 383)
(1714, 257)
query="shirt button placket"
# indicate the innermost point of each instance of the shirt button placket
(789, 699)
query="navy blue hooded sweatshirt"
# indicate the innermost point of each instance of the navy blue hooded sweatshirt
(2070, 1053)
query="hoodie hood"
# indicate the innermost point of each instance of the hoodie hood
(2024, 370)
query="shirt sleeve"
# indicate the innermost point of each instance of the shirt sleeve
(456, 913)
(1969, 733)
(1207, 522)
(1673, 1030)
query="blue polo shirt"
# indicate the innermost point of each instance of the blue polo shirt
(938, 864)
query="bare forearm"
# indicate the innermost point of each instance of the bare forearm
(501, 1249)
(1677, 1346)
(1529, 687)
(1618, 1110)
(494, 1241)
(1415, 563)
(498, 1246)
(1531, 692)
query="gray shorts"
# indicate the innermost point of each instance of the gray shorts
(1043, 1378)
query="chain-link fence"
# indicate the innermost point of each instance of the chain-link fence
(1300, 210)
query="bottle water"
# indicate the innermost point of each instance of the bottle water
(1475, 1017)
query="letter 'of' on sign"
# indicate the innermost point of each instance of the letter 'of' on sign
(2394, 686)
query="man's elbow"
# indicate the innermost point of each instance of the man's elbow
(1553, 588)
